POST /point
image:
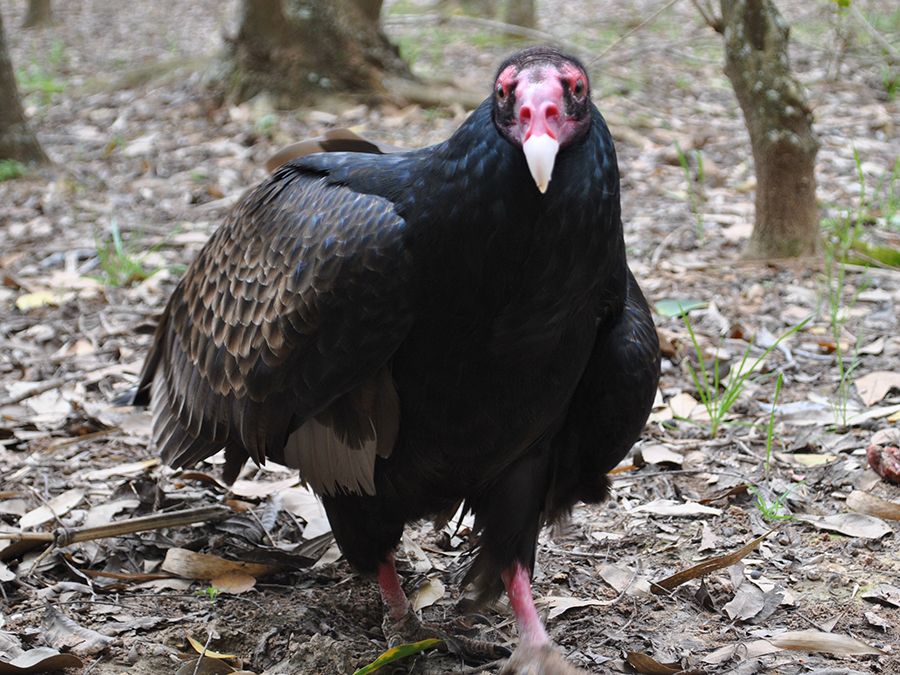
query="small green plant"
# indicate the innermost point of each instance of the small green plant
(716, 395)
(212, 594)
(890, 80)
(835, 272)
(888, 195)
(770, 432)
(776, 510)
(11, 168)
(695, 194)
(846, 231)
(35, 79)
(410, 49)
(846, 242)
(836, 259)
(55, 55)
(122, 265)
(267, 124)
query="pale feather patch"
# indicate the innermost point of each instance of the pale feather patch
(326, 463)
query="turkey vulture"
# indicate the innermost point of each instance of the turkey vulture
(419, 330)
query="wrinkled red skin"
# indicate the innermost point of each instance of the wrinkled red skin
(885, 462)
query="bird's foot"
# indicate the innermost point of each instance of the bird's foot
(532, 658)
(409, 628)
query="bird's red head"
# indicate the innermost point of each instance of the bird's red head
(542, 104)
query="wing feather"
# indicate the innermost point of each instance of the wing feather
(295, 303)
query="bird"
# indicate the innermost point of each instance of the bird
(421, 330)
(333, 140)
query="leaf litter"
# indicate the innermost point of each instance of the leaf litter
(157, 166)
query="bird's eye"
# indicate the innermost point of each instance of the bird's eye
(501, 92)
(578, 89)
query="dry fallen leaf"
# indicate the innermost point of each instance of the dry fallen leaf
(61, 632)
(625, 579)
(58, 506)
(192, 565)
(233, 581)
(708, 566)
(683, 405)
(883, 594)
(647, 665)
(851, 524)
(302, 502)
(558, 604)
(746, 603)
(655, 453)
(669, 507)
(877, 621)
(817, 641)
(38, 660)
(863, 502)
(427, 594)
(247, 488)
(811, 459)
(875, 386)
(28, 301)
(201, 649)
(744, 650)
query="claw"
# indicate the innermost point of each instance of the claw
(409, 628)
(479, 618)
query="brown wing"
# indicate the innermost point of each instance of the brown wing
(277, 341)
(334, 140)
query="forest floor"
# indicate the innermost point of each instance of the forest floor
(145, 169)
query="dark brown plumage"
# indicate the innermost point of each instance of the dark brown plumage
(421, 329)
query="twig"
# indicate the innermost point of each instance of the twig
(643, 23)
(477, 669)
(709, 16)
(487, 23)
(94, 665)
(203, 653)
(63, 536)
(38, 388)
(892, 52)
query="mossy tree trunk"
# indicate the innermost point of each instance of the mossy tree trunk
(300, 51)
(780, 124)
(38, 15)
(16, 139)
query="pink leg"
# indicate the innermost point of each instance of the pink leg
(518, 586)
(391, 592)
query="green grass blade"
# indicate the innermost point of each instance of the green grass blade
(397, 653)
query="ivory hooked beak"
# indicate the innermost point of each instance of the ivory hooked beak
(540, 153)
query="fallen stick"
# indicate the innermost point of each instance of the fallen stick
(64, 536)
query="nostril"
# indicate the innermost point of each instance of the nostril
(525, 114)
(551, 111)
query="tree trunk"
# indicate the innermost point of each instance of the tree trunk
(16, 140)
(780, 125)
(371, 9)
(39, 14)
(300, 51)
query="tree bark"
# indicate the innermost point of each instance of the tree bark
(371, 9)
(16, 139)
(38, 15)
(779, 120)
(300, 51)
